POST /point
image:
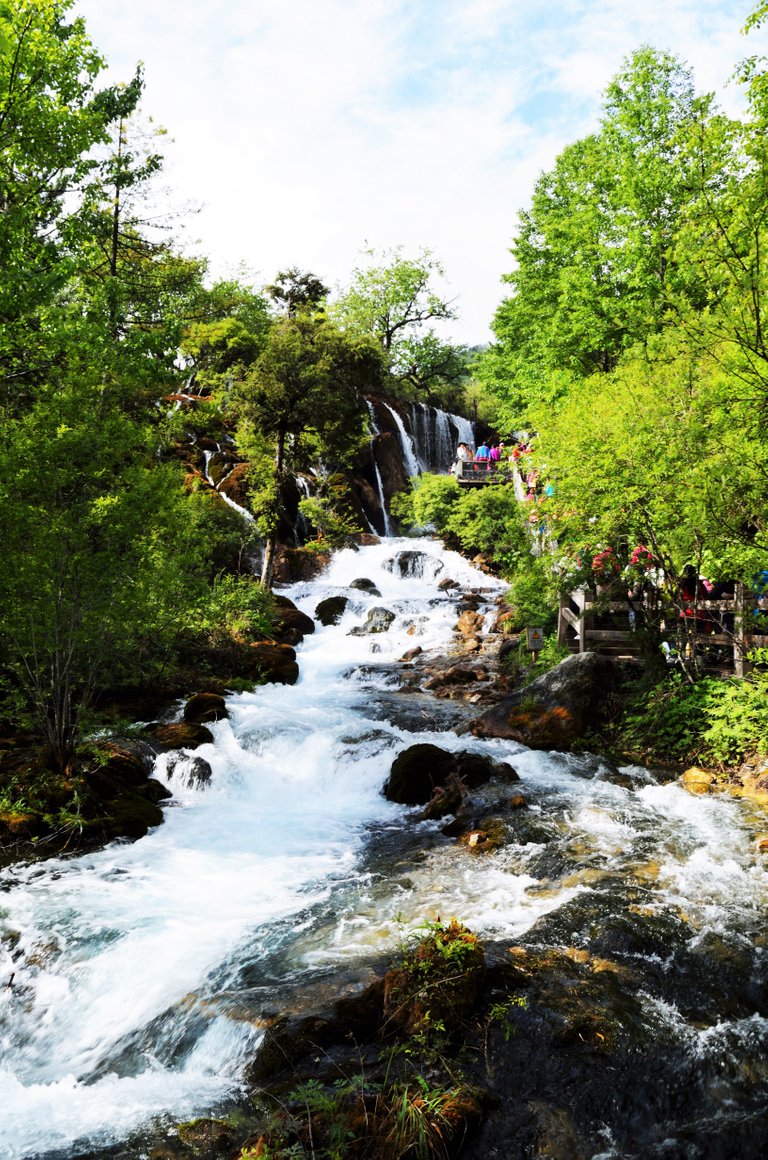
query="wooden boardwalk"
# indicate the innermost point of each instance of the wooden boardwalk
(587, 622)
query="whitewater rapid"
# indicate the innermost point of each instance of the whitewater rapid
(140, 970)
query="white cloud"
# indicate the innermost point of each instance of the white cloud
(307, 130)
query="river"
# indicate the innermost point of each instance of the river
(141, 971)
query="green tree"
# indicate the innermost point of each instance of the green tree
(100, 558)
(51, 117)
(303, 394)
(392, 303)
(596, 269)
(294, 289)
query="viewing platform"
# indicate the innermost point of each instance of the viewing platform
(477, 473)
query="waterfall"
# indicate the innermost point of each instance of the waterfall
(465, 429)
(388, 530)
(143, 972)
(410, 461)
(302, 524)
(437, 434)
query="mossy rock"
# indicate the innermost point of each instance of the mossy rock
(132, 817)
(203, 707)
(180, 735)
(438, 982)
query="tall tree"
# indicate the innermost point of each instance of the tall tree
(596, 270)
(393, 303)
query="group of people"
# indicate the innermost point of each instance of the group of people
(492, 451)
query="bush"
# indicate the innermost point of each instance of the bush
(236, 607)
(429, 503)
(713, 721)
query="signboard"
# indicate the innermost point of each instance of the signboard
(534, 639)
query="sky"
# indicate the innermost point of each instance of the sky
(303, 132)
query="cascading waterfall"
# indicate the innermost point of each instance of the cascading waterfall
(465, 429)
(411, 462)
(436, 436)
(142, 971)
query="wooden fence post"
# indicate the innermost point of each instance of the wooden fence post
(739, 635)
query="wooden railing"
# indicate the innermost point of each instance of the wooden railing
(476, 472)
(582, 628)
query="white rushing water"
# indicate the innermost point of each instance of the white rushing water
(412, 466)
(136, 966)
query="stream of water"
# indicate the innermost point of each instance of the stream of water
(140, 969)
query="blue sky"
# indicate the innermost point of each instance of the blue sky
(305, 130)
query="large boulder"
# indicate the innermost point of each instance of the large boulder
(178, 735)
(205, 707)
(421, 769)
(274, 664)
(291, 624)
(412, 563)
(331, 610)
(556, 709)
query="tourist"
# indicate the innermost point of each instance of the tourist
(494, 452)
(463, 455)
(483, 453)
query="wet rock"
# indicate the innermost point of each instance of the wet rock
(204, 707)
(209, 1136)
(490, 835)
(194, 771)
(696, 780)
(378, 620)
(557, 708)
(127, 766)
(155, 791)
(456, 675)
(411, 563)
(470, 623)
(446, 585)
(179, 735)
(446, 799)
(412, 653)
(418, 770)
(293, 565)
(291, 624)
(440, 981)
(362, 584)
(274, 664)
(132, 817)
(331, 610)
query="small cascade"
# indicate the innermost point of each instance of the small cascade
(410, 460)
(374, 428)
(208, 455)
(465, 429)
(301, 530)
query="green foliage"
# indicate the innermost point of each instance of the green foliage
(429, 503)
(710, 720)
(489, 520)
(502, 1013)
(531, 595)
(419, 1125)
(392, 303)
(236, 607)
(736, 719)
